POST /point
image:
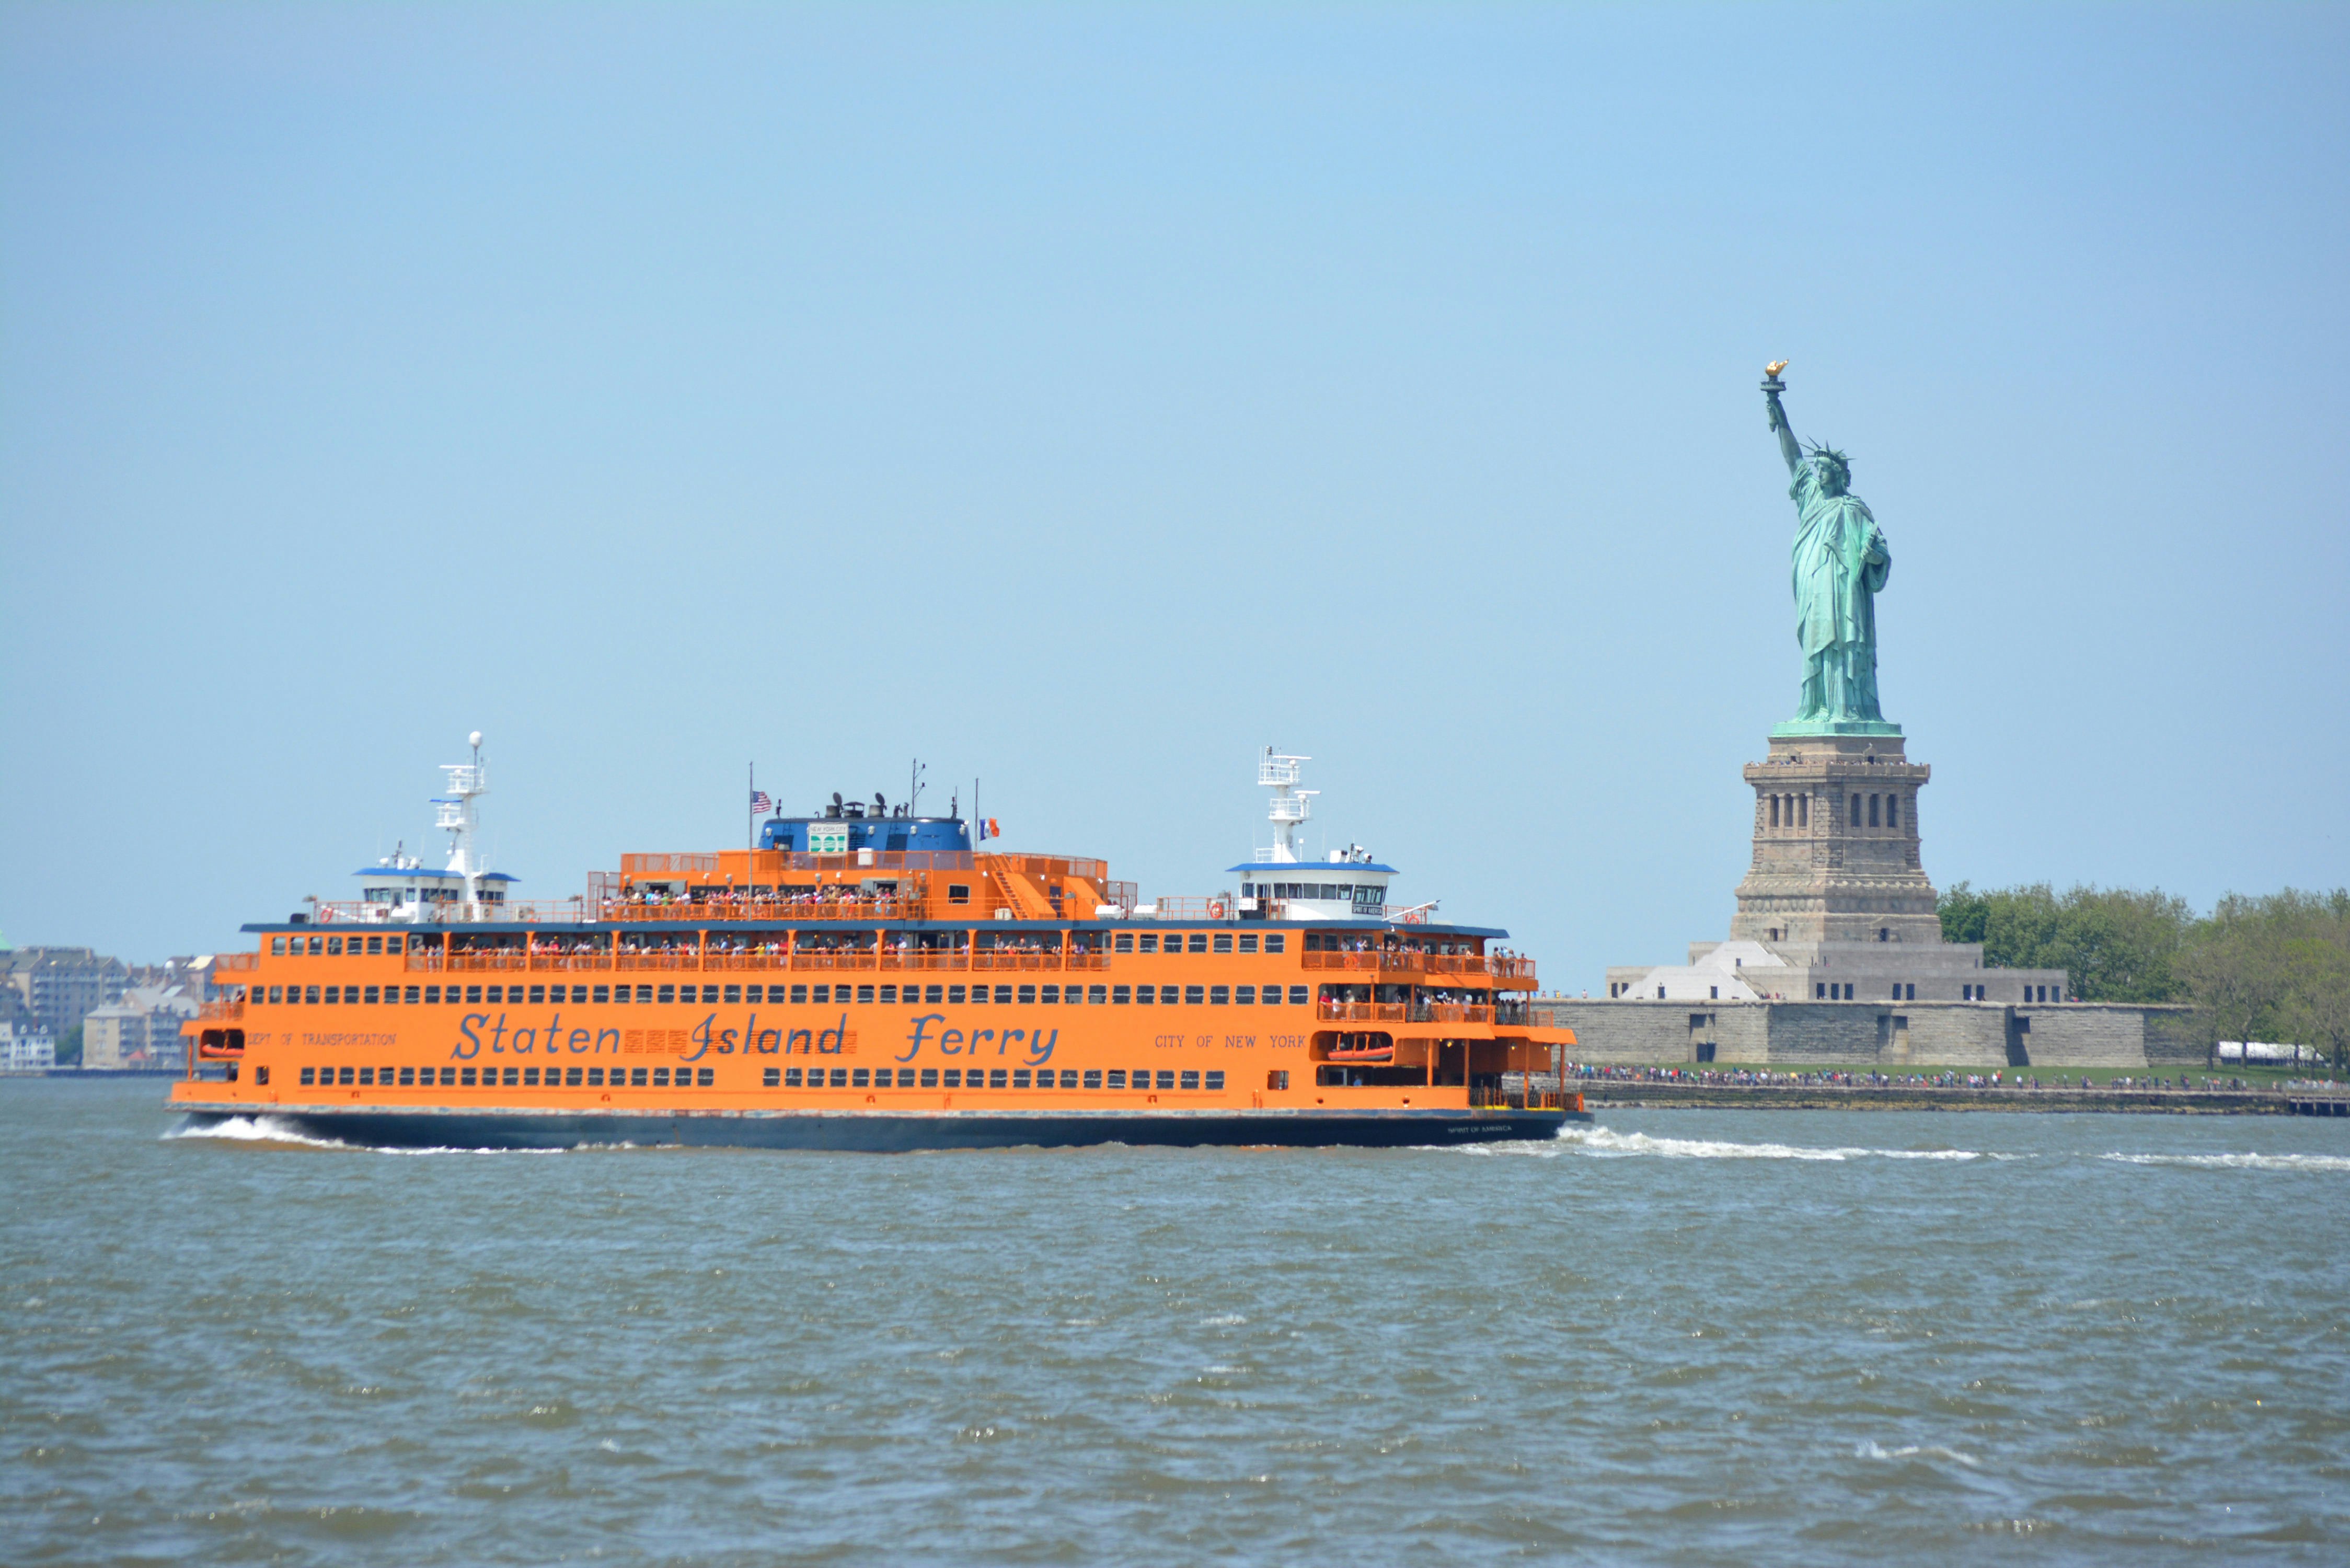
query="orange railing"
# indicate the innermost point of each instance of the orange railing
(1364, 1012)
(866, 960)
(235, 961)
(985, 958)
(927, 959)
(1485, 1097)
(1508, 969)
(211, 1011)
(679, 957)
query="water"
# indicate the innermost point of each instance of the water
(1687, 1338)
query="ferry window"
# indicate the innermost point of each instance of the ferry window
(1117, 1077)
(375, 944)
(1277, 1079)
(1274, 941)
(637, 1077)
(1093, 1078)
(1190, 1077)
(390, 945)
(861, 1079)
(333, 994)
(1019, 1077)
(1216, 1080)
(1217, 994)
(411, 997)
(277, 993)
(1198, 942)
(530, 1077)
(1144, 996)
(538, 993)
(277, 949)
(771, 1077)
(1119, 995)
(317, 946)
(824, 994)
(707, 1076)
(1053, 994)
(497, 994)
(514, 1077)
(955, 994)
(791, 1077)
(1192, 994)
(644, 994)
(1297, 996)
(840, 1077)
(367, 1074)
(596, 1076)
(1027, 995)
(661, 1078)
(571, 1076)
(334, 947)
(603, 993)
(1223, 944)
(310, 1076)
(668, 994)
(954, 1078)
(1124, 944)
(433, 995)
(799, 994)
(468, 1079)
(1248, 943)
(310, 995)
(958, 893)
(933, 994)
(371, 993)
(408, 1077)
(1150, 942)
(1095, 995)
(473, 992)
(1068, 1077)
(889, 995)
(865, 993)
(1244, 996)
(734, 993)
(930, 1077)
(1166, 1079)
(995, 1078)
(1003, 994)
(755, 993)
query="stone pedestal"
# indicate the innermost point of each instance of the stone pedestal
(1836, 847)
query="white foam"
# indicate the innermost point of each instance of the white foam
(2239, 1161)
(1871, 1450)
(1608, 1143)
(277, 1129)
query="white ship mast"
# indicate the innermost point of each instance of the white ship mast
(468, 782)
(1290, 805)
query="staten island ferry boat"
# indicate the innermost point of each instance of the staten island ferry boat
(868, 977)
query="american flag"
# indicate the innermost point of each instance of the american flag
(759, 802)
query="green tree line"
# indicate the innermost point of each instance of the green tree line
(2275, 967)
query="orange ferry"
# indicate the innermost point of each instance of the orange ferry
(866, 979)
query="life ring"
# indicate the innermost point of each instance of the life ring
(1215, 908)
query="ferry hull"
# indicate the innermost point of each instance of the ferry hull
(882, 1132)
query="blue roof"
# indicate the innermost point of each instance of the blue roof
(1318, 869)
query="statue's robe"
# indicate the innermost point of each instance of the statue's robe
(1841, 561)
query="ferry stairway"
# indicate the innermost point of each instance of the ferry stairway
(1022, 897)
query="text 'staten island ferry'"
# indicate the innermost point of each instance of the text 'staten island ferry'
(865, 979)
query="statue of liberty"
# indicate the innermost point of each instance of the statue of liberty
(1841, 562)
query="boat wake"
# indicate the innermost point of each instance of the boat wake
(1872, 1450)
(1606, 1143)
(2238, 1162)
(280, 1131)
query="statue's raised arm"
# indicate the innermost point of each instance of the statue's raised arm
(1771, 388)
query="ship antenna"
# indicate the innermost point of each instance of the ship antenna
(1290, 804)
(468, 782)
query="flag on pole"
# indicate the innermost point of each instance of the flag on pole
(759, 802)
(989, 829)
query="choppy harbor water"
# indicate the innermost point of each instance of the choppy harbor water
(1687, 1338)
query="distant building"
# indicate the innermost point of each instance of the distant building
(26, 1048)
(141, 1029)
(63, 985)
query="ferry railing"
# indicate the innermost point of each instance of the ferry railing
(1364, 1012)
(682, 958)
(498, 958)
(998, 960)
(548, 960)
(227, 962)
(1450, 1013)
(836, 960)
(211, 1011)
(927, 959)
(1085, 961)
(1487, 1097)
(745, 961)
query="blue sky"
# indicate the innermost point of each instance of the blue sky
(1081, 398)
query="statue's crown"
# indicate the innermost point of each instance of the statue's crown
(1823, 452)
